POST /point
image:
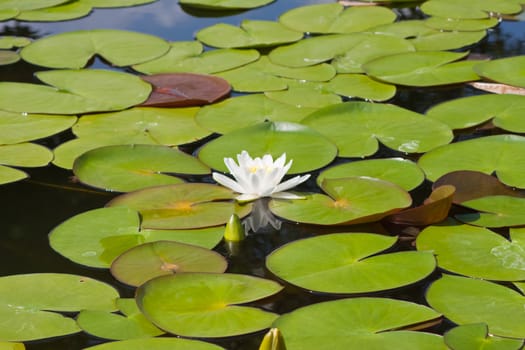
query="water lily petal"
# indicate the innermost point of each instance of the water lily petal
(291, 183)
(246, 197)
(227, 182)
(287, 195)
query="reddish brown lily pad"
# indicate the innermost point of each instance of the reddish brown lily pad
(434, 209)
(185, 89)
(473, 184)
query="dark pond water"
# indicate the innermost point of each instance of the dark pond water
(31, 208)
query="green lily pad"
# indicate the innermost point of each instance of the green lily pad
(146, 261)
(25, 155)
(462, 25)
(63, 12)
(75, 49)
(225, 4)
(505, 111)
(205, 304)
(358, 323)
(476, 337)
(27, 302)
(350, 50)
(249, 34)
(466, 300)
(447, 40)
(475, 251)
(143, 125)
(8, 57)
(343, 263)
(18, 127)
(96, 237)
(307, 94)
(358, 127)
(360, 86)
(127, 168)
(8, 13)
(11, 346)
(9, 42)
(335, 18)
(8, 175)
(74, 92)
(243, 111)
(350, 200)
(183, 206)
(494, 211)
(263, 75)
(188, 56)
(103, 324)
(11, 8)
(156, 344)
(308, 149)
(116, 3)
(423, 68)
(510, 70)
(402, 172)
(499, 153)
(470, 9)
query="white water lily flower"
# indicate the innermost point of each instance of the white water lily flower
(259, 177)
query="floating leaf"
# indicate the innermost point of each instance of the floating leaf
(187, 56)
(75, 91)
(350, 50)
(18, 127)
(305, 94)
(359, 323)
(467, 300)
(127, 168)
(96, 237)
(12, 8)
(434, 209)
(510, 70)
(75, 49)
(8, 57)
(475, 251)
(11, 346)
(250, 34)
(348, 263)
(500, 154)
(156, 344)
(360, 86)
(205, 304)
(424, 68)
(476, 337)
(146, 261)
(402, 172)
(8, 175)
(25, 155)
(28, 299)
(67, 11)
(182, 206)
(350, 200)
(116, 3)
(334, 18)
(495, 211)
(243, 111)
(473, 184)
(107, 325)
(471, 9)
(185, 89)
(225, 4)
(142, 125)
(308, 149)
(497, 88)
(356, 128)
(461, 24)
(444, 40)
(505, 111)
(263, 75)
(9, 42)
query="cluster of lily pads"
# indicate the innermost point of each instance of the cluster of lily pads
(314, 86)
